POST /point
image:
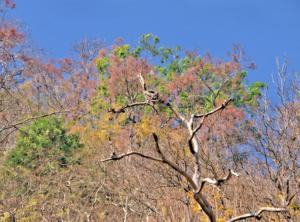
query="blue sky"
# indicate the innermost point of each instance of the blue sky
(265, 28)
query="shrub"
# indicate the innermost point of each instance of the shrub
(45, 139)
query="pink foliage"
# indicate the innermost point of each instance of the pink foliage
(187, 79)
(10, 3)
(9, 36)
(125, 71)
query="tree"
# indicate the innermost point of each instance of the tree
(274, 136)
(183, 93)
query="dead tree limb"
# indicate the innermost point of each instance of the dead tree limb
(258, 215)
(218, 182)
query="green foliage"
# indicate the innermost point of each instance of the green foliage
(121, 100)
(98, 102)
(255, 88)
(254, 91)
(103, 90)
(102, 64)
(193, 83)
(177, 66)
(137, 51)
(295, 206)
(45, 138)
(122, 51)
(148, 42)
(209, 102)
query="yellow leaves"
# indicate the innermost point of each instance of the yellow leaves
(281, 197)
(207, 66)
(190, 194)
(194, 204)
(228, 213)
(145, 128)
(195, 207)
(203, 218)
(26, 86)
(30, 211)
(32, 203)
(6, 217)
(108, 125)
(121, 51)
(294, 209)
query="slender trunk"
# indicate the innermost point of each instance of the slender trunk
(205, 206)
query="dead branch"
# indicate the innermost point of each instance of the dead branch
(163, 159)
(219, 90)
(218, 182)
(122, 109)
(193, 131)
(173, 165)
(178, 115)
(121, 156)
(14, 125)
(224, 104)
(258, 215)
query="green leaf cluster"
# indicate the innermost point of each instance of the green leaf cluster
(102, 64)
(122, 51)
(254, 92)
(45, 138)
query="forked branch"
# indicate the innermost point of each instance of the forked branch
(152, 97)
(173, 165)
(192, 142)
(163, 160)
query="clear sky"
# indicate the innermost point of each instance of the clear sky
(265, 28)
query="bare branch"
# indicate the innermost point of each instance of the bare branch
(173, 165)
(178, 115)
(121, 156)
(8, 134)
(14, 125)
(292, 197)
(164, 160)
(258, 215)
(142, 82)
(218, 182)
(193, 144)
(151, 96)
(219, 90)
(214, 110)
(197, 129)
(122, 110)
